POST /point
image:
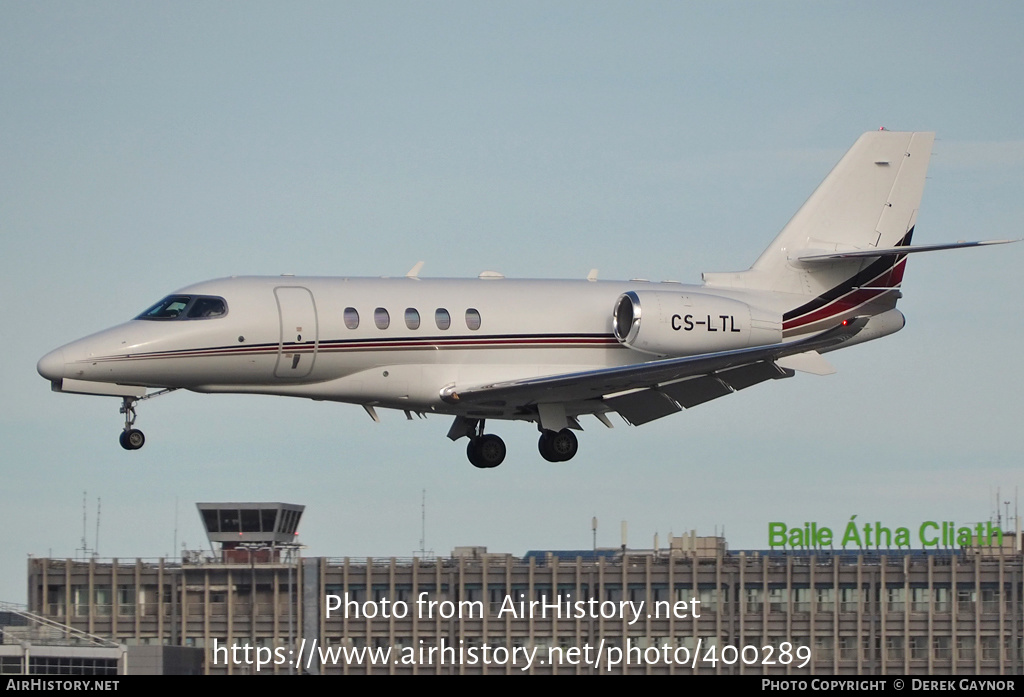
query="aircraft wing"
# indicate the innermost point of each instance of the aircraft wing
(642, 392)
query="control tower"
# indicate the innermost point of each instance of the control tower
(252, 532)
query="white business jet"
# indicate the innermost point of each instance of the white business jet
(541, 351)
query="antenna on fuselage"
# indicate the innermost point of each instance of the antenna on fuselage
(414, 272)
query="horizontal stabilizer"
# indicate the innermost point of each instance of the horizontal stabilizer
(819, 255)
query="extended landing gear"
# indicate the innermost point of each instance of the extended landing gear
(486, 451)
(131, 438)
(558, 446)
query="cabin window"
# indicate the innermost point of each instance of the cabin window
(381, 318)
(184, 307)
(412, 318)
(351, 318)
(472, 319)
(443, 319)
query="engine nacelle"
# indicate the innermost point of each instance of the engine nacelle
(664, 323)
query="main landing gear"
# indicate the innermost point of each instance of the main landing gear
(486, 450)
(558, 446)
(131, 438)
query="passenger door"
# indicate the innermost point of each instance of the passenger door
(296, 352)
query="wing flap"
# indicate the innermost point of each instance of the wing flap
(642, 407)
(749, 375)
(689, 393)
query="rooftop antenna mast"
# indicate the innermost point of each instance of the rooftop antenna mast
(423, 526)
(174, 547)
(83, 548)
(423, 522)
(96, 547)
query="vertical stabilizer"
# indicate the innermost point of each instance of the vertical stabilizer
(869, 200)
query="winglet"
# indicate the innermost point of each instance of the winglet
(414, 272)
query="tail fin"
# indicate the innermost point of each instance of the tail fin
(868, 201)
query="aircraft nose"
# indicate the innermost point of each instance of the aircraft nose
(51, 366)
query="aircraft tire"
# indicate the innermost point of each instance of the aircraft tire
(473, 453)
(491, 449)
(486, 451)
(132, 439)
(559, 446)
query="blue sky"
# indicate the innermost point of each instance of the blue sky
(146, 146)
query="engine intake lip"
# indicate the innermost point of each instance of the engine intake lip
(626, 317)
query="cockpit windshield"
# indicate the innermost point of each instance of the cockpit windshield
(186, 307)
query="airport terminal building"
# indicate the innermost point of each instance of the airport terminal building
(258, 606)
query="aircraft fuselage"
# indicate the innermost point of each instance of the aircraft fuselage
(299, 336)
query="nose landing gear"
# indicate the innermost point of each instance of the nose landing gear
(130, 438)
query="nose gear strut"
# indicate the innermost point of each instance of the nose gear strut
(132, 438)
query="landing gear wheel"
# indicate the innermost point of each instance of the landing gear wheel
(558, 446)
(486, 451)
(132, 439)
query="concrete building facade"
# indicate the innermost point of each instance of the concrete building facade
(704, 610)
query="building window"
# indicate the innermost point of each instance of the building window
(990, 648)
(990, 600)
(826, 599)
(126, 601)
(472, 319)
(801, 600)
(412, 318)
(755, 604)
(848, 598)
(848, 648)
(708, 600)
(918, 648)
(894, 648)
(381, 318)
(443, 319)
(104, 601)
(80, 600)
(965, 648)
(965, 598)
(823, 648)
(895, 599)
(351, 318)
(919, 600)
